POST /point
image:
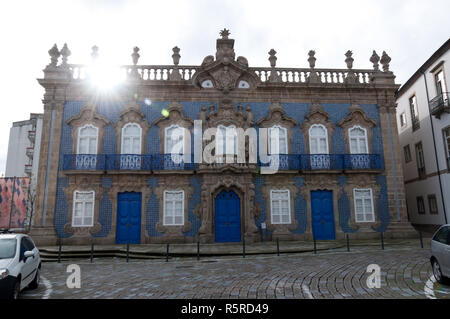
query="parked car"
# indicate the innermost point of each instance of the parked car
(20, 264)
(440, 254)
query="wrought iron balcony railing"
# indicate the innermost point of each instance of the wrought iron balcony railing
(159, 162)
(440, 104)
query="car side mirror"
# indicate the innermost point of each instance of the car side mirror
(28, 254)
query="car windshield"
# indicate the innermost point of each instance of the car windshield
(7, 248)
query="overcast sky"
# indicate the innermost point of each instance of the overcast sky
(410, 31)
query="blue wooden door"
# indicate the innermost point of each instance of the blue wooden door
(227, 217)
(322, 215)
(128, 218)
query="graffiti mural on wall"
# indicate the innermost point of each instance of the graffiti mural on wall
(13, 191)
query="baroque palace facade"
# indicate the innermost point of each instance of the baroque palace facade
(109, 173)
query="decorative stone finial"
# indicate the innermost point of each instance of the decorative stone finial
(274, 77)
(312, 59)
(54, 56)
(272, 58)
(349, 59)
(135, 55)
(94, 53)
(385, 60)
(65, 52)
(224, 33)
(175, 74)
(176, 55)
(375, 59)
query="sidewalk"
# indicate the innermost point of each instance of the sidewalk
(158, 251)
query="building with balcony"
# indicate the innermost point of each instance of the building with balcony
(219, 152)
(23, 148)
(423, 122)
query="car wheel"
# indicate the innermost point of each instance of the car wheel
(16, 290)
(37, 278)
(437, 272)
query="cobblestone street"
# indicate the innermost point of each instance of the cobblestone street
(405, 273)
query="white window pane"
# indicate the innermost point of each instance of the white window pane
(314, 147)
(178, 220)
(276, 219)
(87, 221)
(323, 146)
(285, 219)
(77, 221)
(359, 217)
(168, 220)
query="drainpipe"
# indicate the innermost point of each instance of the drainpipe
(435, 149)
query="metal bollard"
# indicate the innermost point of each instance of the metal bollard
(278, 247)
(382, 241)
(92, 252)
(315, 245)
(167, 253)
(128, 251)
(243, 247)
(59, 251)
(421, 239)
(198, 250)
(348, 242)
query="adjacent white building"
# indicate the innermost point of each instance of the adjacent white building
(423, 120)
(24, 147)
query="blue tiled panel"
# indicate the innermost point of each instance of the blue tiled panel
(300, 207)
(345, 213)
(260, 200)
(105, 216)
(61, 208)
(109, 144)
(382, 205)
(71, 108)
(107, 182)
(195, 199)
(152, 211)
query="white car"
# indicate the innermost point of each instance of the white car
(440, 254)
(20, 264)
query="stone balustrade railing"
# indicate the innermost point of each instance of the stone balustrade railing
(302, 75)
(285, 75)
(139, 72)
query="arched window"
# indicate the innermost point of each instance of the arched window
(358, 140)
(277, 140)
(318, 139)
(174, 140)
(226, 140)
(87, 139)
(131, 139)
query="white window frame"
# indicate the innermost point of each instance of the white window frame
(365, 220)
(123, 137)
(166, 137)
(83, 213)
(224, 140)
(87, 136)
(358, 139)
(403, 120)
(279, 213)
(280, 137)
(318, 137)
(173, 213)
